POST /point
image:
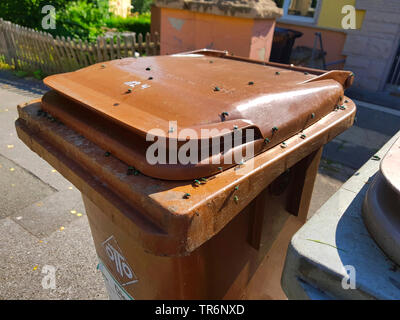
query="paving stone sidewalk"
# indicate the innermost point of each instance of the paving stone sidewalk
(42, 217)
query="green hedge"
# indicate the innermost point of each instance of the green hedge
(139, 24)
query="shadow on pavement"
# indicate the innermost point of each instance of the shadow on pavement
(371, 130)
(20, 85)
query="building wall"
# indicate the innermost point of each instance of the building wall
(370, 51)
(331, 15)
(328, 23)
(333, 41)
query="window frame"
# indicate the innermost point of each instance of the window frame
(292, 18)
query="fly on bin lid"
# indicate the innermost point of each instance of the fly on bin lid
(190, 94)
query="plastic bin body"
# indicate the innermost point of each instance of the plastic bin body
(228, 240)
(243, 261)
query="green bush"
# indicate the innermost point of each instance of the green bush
(27, 13)
(141, 6)
(82, 19)
(139, 23)
(79, 19)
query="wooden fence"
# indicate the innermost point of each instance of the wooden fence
(27, 49)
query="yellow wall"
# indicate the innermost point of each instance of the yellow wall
(331, 14)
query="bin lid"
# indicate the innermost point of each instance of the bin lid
(198, 99)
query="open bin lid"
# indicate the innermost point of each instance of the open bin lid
(125, 105)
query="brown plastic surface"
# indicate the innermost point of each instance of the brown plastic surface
(95, 101)
(209, 246)
(228, 239)
(154, 213)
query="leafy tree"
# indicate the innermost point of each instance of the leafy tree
(141, 6)
(82, 19)
(27, 13)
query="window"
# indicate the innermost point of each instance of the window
(299, 10)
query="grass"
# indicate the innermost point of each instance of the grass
(22, 73)
(4, 66)
(327, 244)
(37, 74)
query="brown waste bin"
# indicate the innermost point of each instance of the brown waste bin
(190, 230)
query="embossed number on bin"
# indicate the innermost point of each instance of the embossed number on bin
(118, 263)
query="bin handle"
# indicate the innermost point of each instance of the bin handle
(345, 78)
